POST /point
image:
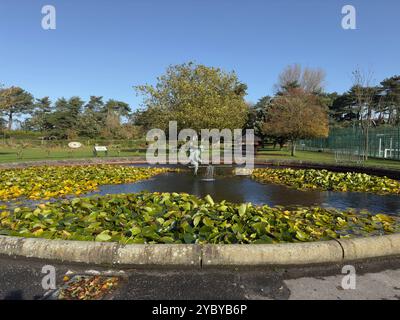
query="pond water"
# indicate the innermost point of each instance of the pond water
(239, 189)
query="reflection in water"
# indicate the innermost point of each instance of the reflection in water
(242, 189)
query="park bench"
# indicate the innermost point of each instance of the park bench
(348, 156)
(97, 149)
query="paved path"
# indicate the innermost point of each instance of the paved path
(21, 279)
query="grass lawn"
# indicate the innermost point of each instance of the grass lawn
(32, 154)
(321, 157)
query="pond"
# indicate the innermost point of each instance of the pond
(239, 189)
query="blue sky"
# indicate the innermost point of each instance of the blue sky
(106, 47)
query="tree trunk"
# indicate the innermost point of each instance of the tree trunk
(293, 148)
(366, 146)
(10, 120)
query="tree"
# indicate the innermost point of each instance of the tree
(91, 121)
(196, 96)
(65, 118)
(2, 124)
(95, 104)
(15, 101)
(294, 76)
(365, 101)
(118, 108)
(365, 104)
(341, 108)
(39, 121)
(296, 115)
(112, 114)
(391, 99)
(256, 117)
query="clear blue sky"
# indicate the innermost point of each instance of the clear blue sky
(105, 47)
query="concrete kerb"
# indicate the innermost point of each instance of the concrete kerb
(272, 254)
(202, 256)
(370, 247)
(59, 250)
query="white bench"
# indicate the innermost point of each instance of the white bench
(97, 149)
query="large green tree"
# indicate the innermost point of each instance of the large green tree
(113, 113)
(196, 96)
(91, 120)
(296, 115)
(15, 101)
(391, 99)
(39, 121)
(65, 118)
(119, 108)
(257, 115)
(341, 109)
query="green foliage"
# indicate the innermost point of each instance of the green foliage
(378, 103)
(14, 101)
(72, 118)
(65, 118)
(182, 218)
(306, 179)
(39, 120)
(296, 115)
(390, 89)
(196, 96)
(48, 182)
(257, 115)
(20, 135)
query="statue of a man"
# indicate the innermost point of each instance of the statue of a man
(195, 157)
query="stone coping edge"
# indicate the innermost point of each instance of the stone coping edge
(200, 256)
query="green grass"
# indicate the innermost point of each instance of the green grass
(321, 157)
(36, 153)
(30, 154)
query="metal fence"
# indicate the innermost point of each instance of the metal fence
(383, 142)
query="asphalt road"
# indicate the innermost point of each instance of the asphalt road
(378, 279)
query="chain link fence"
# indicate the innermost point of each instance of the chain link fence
(383, 142)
